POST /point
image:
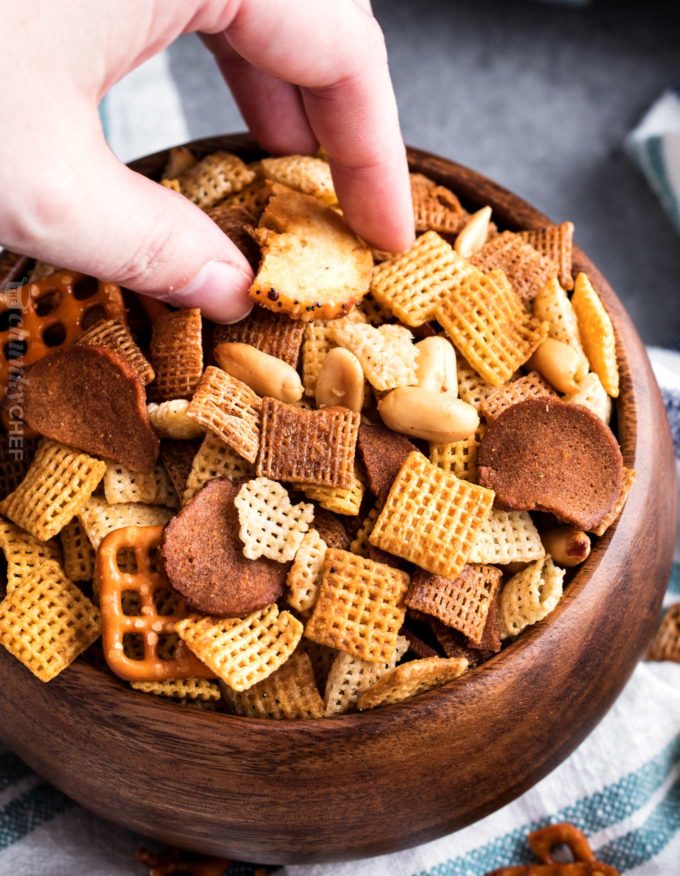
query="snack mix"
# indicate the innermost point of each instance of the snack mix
(365, 489)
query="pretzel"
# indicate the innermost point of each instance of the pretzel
(525, 268)
(181, 863)
(151, 622)
(50, 313)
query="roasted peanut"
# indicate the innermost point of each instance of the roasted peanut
(559, 363)
(473, 236)
(432, 416)
(265, 374)
(567, 545)
(436, 365)
(340, 381)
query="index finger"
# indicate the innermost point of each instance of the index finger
(335, 52)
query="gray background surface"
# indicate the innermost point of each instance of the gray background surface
(540, 98)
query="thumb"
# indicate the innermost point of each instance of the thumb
(110, 222)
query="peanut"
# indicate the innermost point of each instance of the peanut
(265, 374)
(567, 545)
(340, 381)
(436, 365)
(559, 363)
(432, 416)
(473, 236)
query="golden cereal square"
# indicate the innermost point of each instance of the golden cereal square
(304, 173)
(215, 177)
(229, 408)
(507, 537)
(459, 457)
(488, 324)
(214, 459)
(23, 553)
(350, 676)
(339, 500)
(57, 486)
(360, 606)
(529, 596)
(431, 518)
(46, 622)
(412, 284)
(78, 553)
(410, 679)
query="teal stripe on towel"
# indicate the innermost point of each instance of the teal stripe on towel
(674, 583)
(25, 813)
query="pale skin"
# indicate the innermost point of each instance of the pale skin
(303, 72)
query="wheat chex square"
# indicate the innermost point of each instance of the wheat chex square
(360, 606)
(273, 333)
(176, 354)
(554, 243)
(310, 447)
(431, 518)
(525, 268)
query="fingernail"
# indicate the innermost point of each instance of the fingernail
(220, 289)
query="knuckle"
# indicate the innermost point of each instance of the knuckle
(39, 212)
(150, 259)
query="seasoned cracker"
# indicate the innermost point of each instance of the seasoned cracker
(181, 689)
(410, 679)
(303, 575)
(46, 622)
(359, 608)
(176, 354)
(387, 354)
(597, 334)
(215, 459)
(507, 537)
(459, 457)
(169, 419)
(488, 324)
(555, 244)
(312, 266)
(215, 177)
(435, 208)
(243, 651)
(340, 500)
(412, 284)
(431, 518)
(592, 395)
(289, 693)
(317, 342)
(57, 486)
(310, 447)
(114, 335)
(530, 596)
(229, 408)
(78, 553)
(272, 333)
(530, 386)
(382, 452)
(629, 476)
(304, 173)
(462, 603)
(349, 676)
(666, 644)
(23, 553)
(98, 518)
(525, 268)
(270, 525)
(154, 488)
(552, 305)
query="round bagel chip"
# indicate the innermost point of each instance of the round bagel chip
(549, 455)
(202, 557)
(90, 398)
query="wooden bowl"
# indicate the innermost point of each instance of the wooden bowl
(366, 784)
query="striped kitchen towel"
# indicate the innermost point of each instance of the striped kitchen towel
(621, 787)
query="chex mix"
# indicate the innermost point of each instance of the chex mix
(367, 488)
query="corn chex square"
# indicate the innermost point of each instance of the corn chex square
(23, 553)
(530, 596)
(98, 518)
(488, 324)
(181, 689)
(472, 388)
(597, 334)
(459, 457)
(360, 606)
(152, 488)
(462, 603)
(350, 676)
(78, 553)
(339, 500)
(412, 284)
(242, 651)
(304, 173)
(525, 268)
(387, 354)
(57, 485)
(270, 525)
(310, 447)
(507, 537)
(303, 576)
(289, 693)
(214, 177)
(504, 397)
(431, 518)
(214, 459)
(176, 354)
(46, 622)
(555, 244)
(410, 679)
(229, 408)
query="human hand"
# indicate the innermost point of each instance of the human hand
(302, 72)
